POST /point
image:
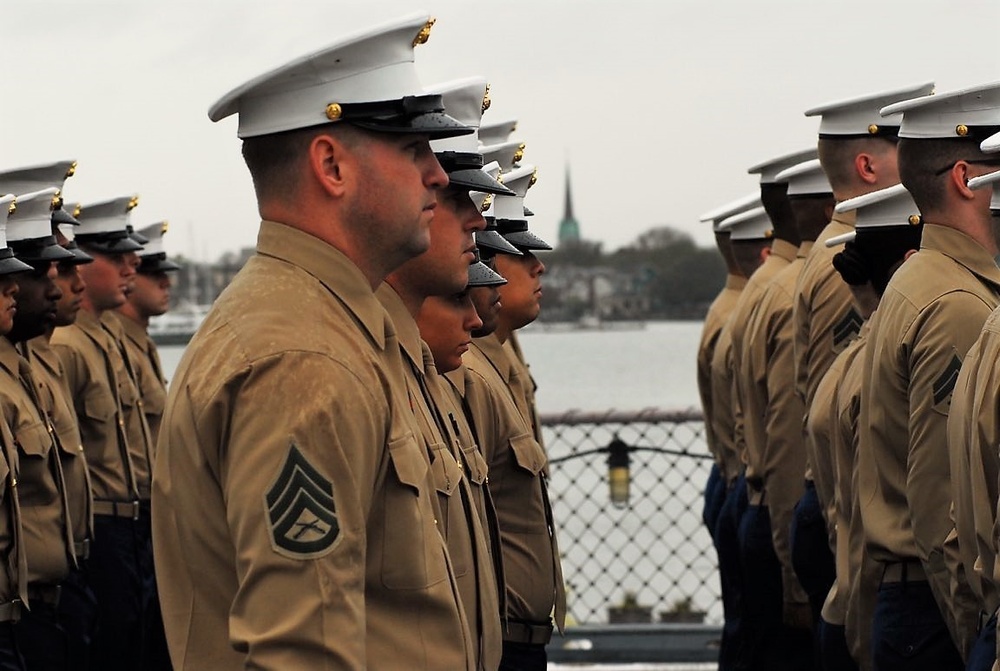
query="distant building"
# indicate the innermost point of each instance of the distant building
(569, 227)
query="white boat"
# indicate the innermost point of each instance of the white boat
(177, 326)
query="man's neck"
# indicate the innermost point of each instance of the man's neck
(413, 300)
(130, 312)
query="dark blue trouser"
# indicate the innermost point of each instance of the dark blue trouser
(715, 496)
(727, 545)
(115, 576)
(523, 657)
(41, 639)
(155, 656)
(769, 644)
(812, 559)
(10, 656)
(833, 650)
(984, 650)
(78, 616)
(908, 632)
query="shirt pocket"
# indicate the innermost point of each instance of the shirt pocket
(523, 484)
(528, 454)
(475, 463)
(34, 445)
(412, 554)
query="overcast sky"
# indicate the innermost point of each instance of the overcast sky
(659, 106)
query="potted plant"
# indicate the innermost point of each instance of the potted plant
(682, 612)
(629, 611)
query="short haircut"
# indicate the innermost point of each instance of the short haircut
(811, 214)
(274, 160)
(836, 156)
(747, 254)
(923, 167)
(774, 197)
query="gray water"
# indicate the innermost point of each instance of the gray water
(593, 370)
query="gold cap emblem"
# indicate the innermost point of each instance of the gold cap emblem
(486, 98)
(76, 210)
(424, 33)
(71, 170)
(519, 154)
(334, 111)
(962, 130)
(534, 178)
(57, 201)
(163, 228)
(768, 235)
(873, 129)
(132, 204)
(12, 208)
(914, 220)
(487, 201)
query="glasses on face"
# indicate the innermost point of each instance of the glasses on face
(972, 161)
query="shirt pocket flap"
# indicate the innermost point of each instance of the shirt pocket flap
(528, 453)
(33, 439)
(476, 465)
(408, 463)
(99, 407)
(446, 471)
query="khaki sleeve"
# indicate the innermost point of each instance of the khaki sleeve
(833, 324)
(710, 337)
(783, 462)
(937, 342)
(485, 414)
(721, 417)
(292, 435)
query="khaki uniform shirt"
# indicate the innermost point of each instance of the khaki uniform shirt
(14, 571)
(48, 542)
(524, 386)
(518, 486)
(725, 413)
(48, 373)
(782, 253)
(825, 318)
(294, 521)
(459, 519)
(772, 416)
(820, 426)
(927, 320)
(825, 423)
(148, 372)
(88, 357)
(858, 575)
(973, 440)
(138, 435)
(715, 319)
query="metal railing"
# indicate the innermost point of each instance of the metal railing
(652, 552)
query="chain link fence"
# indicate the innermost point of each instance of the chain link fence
(650, 558)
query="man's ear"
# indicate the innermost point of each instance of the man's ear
(959, 177)
(329, 163)
(864, 166)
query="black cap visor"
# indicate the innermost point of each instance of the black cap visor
(117, 242)
(412, 114)
(465, 170)
(61, 216)
(40, 250)
(156, 263)
(481, 275)
(79, 256)
(10, 265)
(490, 239)
(517, 234)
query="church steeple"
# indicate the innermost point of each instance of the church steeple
(569, 227)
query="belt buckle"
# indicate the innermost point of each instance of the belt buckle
(135, 511)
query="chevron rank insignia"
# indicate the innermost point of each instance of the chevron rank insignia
(847, 329)
(300, 510)
(945, 383)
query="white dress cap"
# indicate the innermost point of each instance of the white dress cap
(991, 144)
(35, 178)
(335, 83)
(859, 117)
(6, 201)
(750, 225)
(496, 132)
(153, 233)
(517, 180)
(950, 115)
(989, 179)
(768, 170)
(466, 100)
(106, 216)
(893, 206)
(717, 215)
(32, 218)
(805, 179)
(507, 154)
(480, 197)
